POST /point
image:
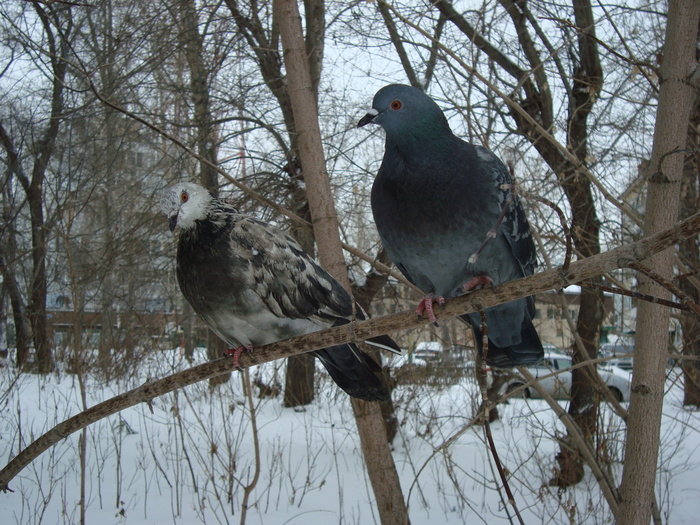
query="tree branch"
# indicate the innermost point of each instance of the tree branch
(623, 256)
(398, 45)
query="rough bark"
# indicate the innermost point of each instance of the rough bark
(689, 270)
(664, 175)
(377, 454)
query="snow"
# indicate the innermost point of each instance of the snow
(189, 460)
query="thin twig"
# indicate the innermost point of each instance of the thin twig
(491, 234)
(687, 300)
(562, 220)
(487, 426)
(248, 489)
(606, 484)
(642, 297)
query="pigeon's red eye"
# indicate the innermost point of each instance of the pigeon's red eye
(184, 197)
(396, 104)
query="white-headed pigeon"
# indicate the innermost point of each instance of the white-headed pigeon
(434, 200)
(253, 285)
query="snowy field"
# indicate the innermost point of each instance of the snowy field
(190, 460)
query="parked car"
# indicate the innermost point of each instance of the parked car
(615, 350)
(558, 386)
(428, 351)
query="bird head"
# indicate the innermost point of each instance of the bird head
(403, 109)
(184, 204)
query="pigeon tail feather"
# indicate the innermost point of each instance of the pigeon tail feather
(381, 341)
(528, 351)
(355, 372)
(385, 343)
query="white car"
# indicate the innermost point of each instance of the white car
(558, 386)
(616, 350)
(427, 352)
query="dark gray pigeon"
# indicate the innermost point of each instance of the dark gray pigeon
(434, 200)
(253, 285)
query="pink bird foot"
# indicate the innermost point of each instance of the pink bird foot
(477, 282)
(426, 305)
(236, 354)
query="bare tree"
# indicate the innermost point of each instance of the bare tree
(57, 30)
(370, 424)
(679, 79)
(256, 26)
(535, 99)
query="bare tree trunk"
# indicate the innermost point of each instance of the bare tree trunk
(299, 381)
(22, 333)
(664, 173)
(205, 138)
(378, 460)
(689, 278)
(57, 26)
(299, 378)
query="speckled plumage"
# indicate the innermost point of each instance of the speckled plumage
(254, 285)
(434, 199)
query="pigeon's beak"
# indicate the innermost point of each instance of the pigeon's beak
(172, 222)
(369, 117)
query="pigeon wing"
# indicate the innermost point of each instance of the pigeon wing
(515, 226)
(284, 277)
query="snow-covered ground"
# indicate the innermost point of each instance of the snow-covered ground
(190, 459)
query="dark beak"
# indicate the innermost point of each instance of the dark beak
(369, 117)
(172, 222)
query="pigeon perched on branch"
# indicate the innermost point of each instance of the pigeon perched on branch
(447, 216)
(253, 285)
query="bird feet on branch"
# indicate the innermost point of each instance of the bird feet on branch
(476, 282)
(236, 354)
(426, 305)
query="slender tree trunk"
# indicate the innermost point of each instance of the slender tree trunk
(587, 82)
(37, 293)
(22, 331)
(299, 380)
(664, 175)
(378, 460)
(205, 132)
(57, 25)
(689, 278)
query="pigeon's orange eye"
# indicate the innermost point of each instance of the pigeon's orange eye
(184, 197)
(396, 104)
